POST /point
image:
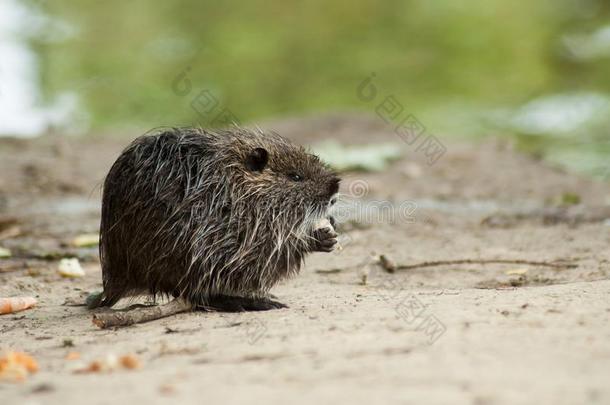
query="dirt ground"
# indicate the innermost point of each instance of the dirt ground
(494, 333)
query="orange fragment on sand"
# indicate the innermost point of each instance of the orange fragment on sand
(96, 366)
(16, 366)
(16, 304)
(130, 361)
(111, 363)
(73, 356)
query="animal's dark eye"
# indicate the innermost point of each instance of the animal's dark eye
(295, 177)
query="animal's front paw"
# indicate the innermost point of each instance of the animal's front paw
(324, 238)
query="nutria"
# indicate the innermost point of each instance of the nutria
(216, 218)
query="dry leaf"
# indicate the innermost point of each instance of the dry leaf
(516, 272)
(70, 268)
(86, 240)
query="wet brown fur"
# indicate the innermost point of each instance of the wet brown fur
(201, 214)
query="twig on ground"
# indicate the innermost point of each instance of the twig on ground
(8, 265)
(387, 263)
(557, 265)
(139, 315)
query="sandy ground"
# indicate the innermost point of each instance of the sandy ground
(460, 333)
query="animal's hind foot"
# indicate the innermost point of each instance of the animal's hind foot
(227, 303)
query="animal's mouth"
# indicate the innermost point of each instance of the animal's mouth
(330, 208)
(328, 204)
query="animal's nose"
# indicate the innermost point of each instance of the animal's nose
(333, 186)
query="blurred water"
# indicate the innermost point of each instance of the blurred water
(563, 115)
(569, 129)
(587, 47)
(542, 79)
(22, 111)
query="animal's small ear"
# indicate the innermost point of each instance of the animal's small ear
(257, 159)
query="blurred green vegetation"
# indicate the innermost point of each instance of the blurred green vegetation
(456, 65)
